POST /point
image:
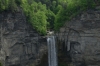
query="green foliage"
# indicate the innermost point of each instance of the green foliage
(69, 8)
(36, 15)
(12, 5)
(18, 2)
(58, 19)
(48, 14)
(50, 20)
(8, 5)
(3, 5)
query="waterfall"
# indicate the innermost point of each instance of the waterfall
(52, 56)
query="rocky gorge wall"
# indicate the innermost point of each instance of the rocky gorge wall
(81, 38)
(20, 44)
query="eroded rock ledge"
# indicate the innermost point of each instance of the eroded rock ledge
(81, 37)
(20, 44)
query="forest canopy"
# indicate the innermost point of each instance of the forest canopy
(48, 14)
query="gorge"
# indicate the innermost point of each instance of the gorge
(77, 43)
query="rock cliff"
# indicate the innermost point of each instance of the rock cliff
(81, 36)
(20, 44)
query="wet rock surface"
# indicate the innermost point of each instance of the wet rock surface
(20, 44)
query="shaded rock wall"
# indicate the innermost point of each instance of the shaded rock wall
(20, 44)
(82, 38)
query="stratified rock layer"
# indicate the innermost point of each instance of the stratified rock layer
(20, 44)
(82, 38)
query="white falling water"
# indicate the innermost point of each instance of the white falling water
(52, 56)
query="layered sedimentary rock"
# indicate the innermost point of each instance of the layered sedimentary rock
(82, 38)
(20, 44)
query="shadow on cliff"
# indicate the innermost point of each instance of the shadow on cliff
(44, 60)
(63, 56)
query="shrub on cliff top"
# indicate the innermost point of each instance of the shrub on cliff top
(48, 14)
(69, 9)
(8, 5)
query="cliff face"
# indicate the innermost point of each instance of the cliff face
(20, 44)
(82, 38)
